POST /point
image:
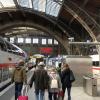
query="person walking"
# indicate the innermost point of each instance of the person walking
(66, 75)
(19, 77)
(41, 81)
(59, 69)
(54, 84)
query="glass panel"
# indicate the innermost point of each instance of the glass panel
(55, 10)
(48, 6)
(49, 41)
(42, 4)
(1, 5)
(55, 42)
(7, 3)
(28, 40)
(52, 8)
(39, 5)
(35, 4)
(35, 40)
(30, 3)
(43, 41)
(25, 3)
(11, 40)
(20, 40)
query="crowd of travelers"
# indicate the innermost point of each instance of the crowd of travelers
(53, 80)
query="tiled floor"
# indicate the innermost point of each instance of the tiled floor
(77, 94)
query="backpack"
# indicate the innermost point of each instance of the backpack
(54, 83)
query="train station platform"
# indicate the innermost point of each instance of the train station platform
(77, 93)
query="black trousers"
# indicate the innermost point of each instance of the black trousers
(52, 96)
(18, 88)
(68, 91)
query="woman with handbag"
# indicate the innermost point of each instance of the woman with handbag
(67, 77)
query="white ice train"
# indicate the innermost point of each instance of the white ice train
(95, 64)
(10, 55)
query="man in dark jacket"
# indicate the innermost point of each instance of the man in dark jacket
(41, 81)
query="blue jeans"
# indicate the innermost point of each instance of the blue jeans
(18, 88)
(39, 94)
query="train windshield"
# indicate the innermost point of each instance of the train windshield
(2, 45)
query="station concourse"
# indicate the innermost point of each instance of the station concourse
(77, 93)
(52, 31)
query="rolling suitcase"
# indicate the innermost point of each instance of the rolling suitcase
(23, 98)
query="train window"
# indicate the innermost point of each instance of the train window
(95, 63)
(2, 45)
(14, 48)
(5, 74)
(16, 51)
(9, 47)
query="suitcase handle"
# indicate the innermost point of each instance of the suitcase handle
(24, 90)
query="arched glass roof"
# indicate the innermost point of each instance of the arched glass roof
(6, 3)
(50, 7)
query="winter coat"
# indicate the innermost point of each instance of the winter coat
(40, 79)
(19, 75)
(57, 77)
(65, 78)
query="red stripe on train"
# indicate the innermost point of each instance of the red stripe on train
(8, 65)
(95, 68)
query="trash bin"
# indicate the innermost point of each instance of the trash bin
(90, 85)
